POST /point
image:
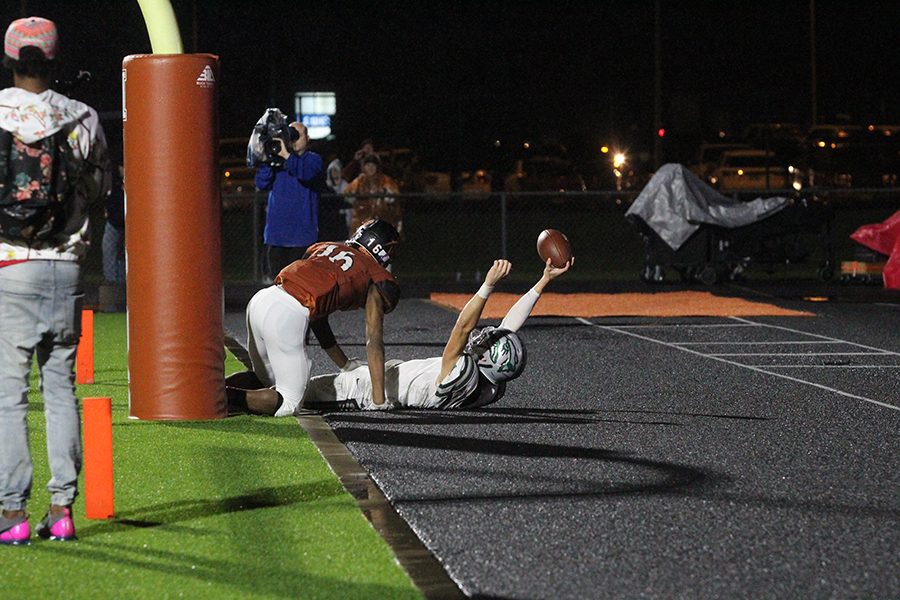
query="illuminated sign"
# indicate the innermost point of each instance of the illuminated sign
(318, 126)
(315, 109)
(316, 120)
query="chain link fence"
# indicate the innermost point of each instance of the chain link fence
(454, 237)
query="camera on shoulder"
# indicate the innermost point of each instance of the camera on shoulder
(264, 143)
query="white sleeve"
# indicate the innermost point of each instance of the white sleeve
(516, 316)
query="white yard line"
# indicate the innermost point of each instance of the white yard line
(815, 335)
(620, 329)
(798, 353)
(757, 343)
(827, 366)
(677, 325)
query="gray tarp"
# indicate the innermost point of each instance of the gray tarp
(675, 202)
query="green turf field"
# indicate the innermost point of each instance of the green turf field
(237, 508)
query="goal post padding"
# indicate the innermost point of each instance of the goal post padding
(175, 301)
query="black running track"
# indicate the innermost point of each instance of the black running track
(655, 458)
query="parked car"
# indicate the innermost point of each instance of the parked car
(709, 156)
(235, 175)
(476, 185)
(750, 170)
(399, 163)
(784, 139)
(544, 174)
(426, 182)
(412, 176)
(435, 182)
(861, 157)
(238, 179)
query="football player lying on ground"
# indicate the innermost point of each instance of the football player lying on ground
(472, 371)
(333, 276)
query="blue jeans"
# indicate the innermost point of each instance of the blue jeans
(113, 254)
(40, 315)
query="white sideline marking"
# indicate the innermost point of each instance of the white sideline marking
(828, 366)
(666, 325)
(619, 329)
(798, 353)
(757, 343)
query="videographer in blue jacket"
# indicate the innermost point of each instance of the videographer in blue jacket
(292, 214)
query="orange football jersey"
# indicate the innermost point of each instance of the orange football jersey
(333, 277)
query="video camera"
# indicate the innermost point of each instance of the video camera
(264, 146)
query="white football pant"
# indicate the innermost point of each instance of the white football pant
(276, 326)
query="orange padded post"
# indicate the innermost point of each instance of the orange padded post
(98, 458)
(84, 356)
(176, 345)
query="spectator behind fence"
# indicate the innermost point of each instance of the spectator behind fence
(376, 201)
(292, 211)
(114, 231)
(353, 168)
(333, 210)
(53, 155)
(333, 177)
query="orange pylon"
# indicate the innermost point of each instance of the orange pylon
(84, 357)
(98, 458)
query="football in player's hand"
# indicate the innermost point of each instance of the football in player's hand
(554, 245)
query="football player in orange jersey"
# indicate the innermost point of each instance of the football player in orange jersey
(332, 276)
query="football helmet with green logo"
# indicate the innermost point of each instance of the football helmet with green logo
(500, 353)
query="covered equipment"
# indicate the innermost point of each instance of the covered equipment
(707, 236)
(884, 238)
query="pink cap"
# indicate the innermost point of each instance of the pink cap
(32, 31)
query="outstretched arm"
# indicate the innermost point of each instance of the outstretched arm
(469, 316)
(516, 316)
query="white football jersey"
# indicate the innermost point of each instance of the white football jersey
(410, 383)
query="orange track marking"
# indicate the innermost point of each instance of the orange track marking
(660, 304)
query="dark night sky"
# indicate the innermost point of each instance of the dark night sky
(450, 78)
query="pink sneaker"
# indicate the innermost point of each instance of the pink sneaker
(15, 531)
(57, 526)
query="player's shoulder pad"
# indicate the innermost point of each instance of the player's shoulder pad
(390, 293)
(312, 249)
